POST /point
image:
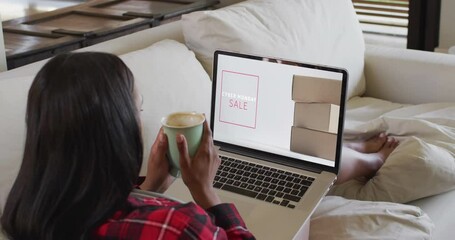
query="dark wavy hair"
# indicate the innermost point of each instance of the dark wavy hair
(83, 149)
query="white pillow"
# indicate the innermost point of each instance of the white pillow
(13, 102)
(170, 79)
(323, 32)
(339, 218)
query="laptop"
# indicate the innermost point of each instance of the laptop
(278, 128)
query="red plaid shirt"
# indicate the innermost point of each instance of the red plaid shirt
(160, 218)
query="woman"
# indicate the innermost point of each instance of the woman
(82, 157)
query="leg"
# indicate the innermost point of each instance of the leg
(356, 164)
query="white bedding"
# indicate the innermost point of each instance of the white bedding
(424, 162)
(340, 218)
(367, 116)
(423, 165)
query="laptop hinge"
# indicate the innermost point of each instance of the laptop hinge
(267, 157)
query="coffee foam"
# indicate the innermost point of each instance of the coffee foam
(184, 119)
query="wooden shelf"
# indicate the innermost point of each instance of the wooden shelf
(41, 36)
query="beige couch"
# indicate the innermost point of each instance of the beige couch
(394, 75)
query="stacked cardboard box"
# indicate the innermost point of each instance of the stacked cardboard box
(316, 114)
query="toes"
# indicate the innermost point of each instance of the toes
(381, 139)
(395, 143)
(375, 143)
(391, 143)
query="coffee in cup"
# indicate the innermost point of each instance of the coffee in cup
(190, 125)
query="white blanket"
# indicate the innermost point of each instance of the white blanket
(432, 122)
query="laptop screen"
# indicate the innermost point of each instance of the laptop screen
(290, 109)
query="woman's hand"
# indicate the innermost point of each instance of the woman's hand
(158, 178)
(198, 173)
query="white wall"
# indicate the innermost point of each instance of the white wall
(2, 49)
(447, 27)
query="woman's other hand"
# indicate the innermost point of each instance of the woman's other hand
(158, 178)
(199, 172)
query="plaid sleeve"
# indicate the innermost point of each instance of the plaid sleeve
(227, 225)
(228, 218)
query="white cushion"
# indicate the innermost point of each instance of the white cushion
(339, 218)
(441, 209)
(323, 32)
(13, 102)
(170, 79)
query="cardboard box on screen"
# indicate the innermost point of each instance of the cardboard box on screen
(312, 89)
(313, 143)
(317, 116)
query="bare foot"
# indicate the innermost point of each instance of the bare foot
(377, 159)
(371, 145)
(387, 148)
(363, 166)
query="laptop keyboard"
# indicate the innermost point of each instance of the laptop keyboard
(261, 182)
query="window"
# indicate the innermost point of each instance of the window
(410, 23)
(388, 17)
